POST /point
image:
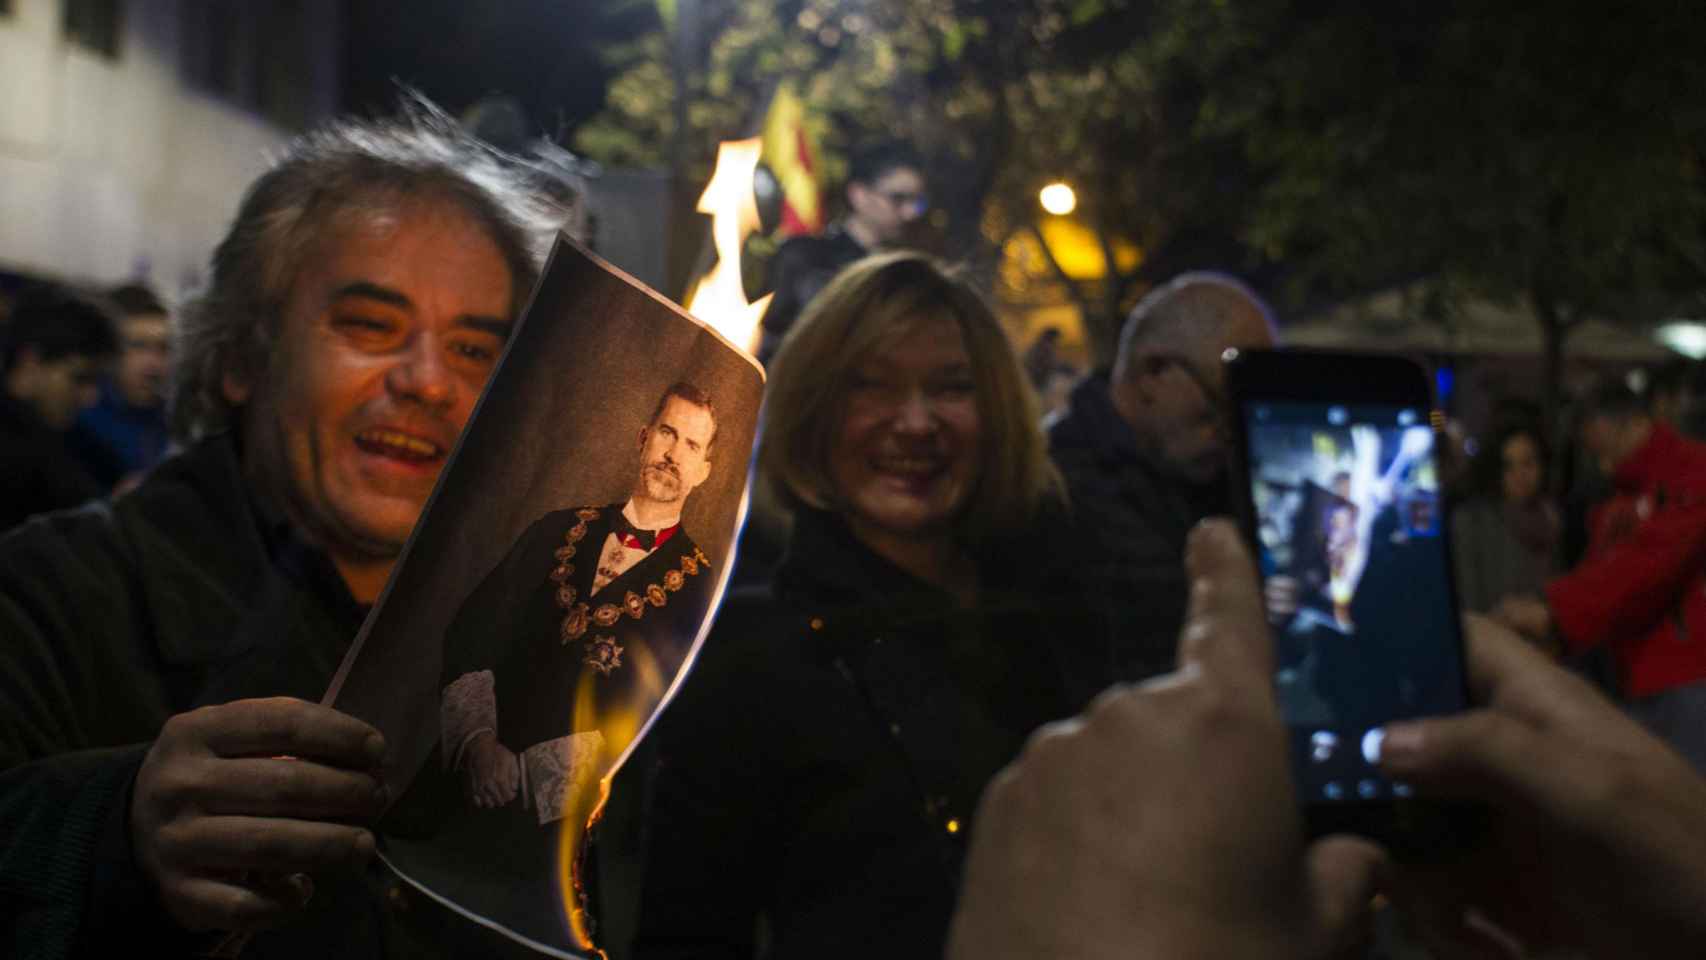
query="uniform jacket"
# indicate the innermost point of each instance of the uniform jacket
(536, 624)
(112, 619)
(821, 765)
(1641, 588)
(536, 657)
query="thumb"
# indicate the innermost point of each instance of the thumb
(1479, 755)
(1226, 630)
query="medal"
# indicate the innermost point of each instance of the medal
(603, 653)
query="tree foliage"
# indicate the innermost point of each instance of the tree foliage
(1003, 96)
(1523, 150)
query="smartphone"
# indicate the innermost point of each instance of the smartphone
(1341, 495)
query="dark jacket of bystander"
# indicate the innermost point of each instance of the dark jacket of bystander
(37, 471)
(801, 267)
(112, 619)
(1130, 523)
(817, 776)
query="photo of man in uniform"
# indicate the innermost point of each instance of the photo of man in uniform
(552, 665)
(562, 651)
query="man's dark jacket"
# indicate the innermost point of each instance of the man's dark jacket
(1131, 520)
(112, 619)
(803, 266)
(37, 471)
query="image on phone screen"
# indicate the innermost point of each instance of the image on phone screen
(1349, 528)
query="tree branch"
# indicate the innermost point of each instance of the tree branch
(1072, 288)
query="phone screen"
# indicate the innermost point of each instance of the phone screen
(1349, 524)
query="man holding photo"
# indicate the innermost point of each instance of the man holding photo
(165, 775)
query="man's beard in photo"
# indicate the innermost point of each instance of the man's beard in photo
(662, 482)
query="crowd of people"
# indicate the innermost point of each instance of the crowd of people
(1006, 690)
(83, 412)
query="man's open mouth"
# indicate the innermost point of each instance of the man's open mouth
(395, 443)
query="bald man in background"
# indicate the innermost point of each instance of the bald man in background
(1145, 452)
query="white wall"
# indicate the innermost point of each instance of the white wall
(113, 170)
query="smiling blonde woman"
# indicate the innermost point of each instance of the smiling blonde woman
(822, 764)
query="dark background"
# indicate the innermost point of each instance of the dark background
(547, 55)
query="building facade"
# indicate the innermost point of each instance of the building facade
(129, 128)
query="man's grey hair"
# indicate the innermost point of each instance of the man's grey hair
(346, 167)
(1184, 311)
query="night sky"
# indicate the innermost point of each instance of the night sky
(544, 53)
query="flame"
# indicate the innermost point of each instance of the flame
(571, 866)
(719, 298)
(618, 721)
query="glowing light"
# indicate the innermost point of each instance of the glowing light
(719, 299)
(953, 826)
(1057, 198)
(1687, 337)
(1075, 248)
(571, 870)
(618, 722)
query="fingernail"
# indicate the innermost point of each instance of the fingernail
(375, 747)
(1402, 741)
(1373, 744)
(304, 886)
(1198, 537)
(1195, 544)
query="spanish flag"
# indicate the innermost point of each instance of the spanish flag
(791, 152)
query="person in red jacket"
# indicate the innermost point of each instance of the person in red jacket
(1640, 590)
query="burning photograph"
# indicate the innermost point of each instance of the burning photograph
(553, 596)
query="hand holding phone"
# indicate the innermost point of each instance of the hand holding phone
(1598, 839)
(1111, 836)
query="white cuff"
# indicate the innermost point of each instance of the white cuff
(469, 706)
(555, 769)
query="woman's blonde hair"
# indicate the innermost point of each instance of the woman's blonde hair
(868, 306)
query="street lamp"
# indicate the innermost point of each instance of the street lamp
(1057, 198)
(1687, 337)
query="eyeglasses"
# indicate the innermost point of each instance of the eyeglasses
(909, 203)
